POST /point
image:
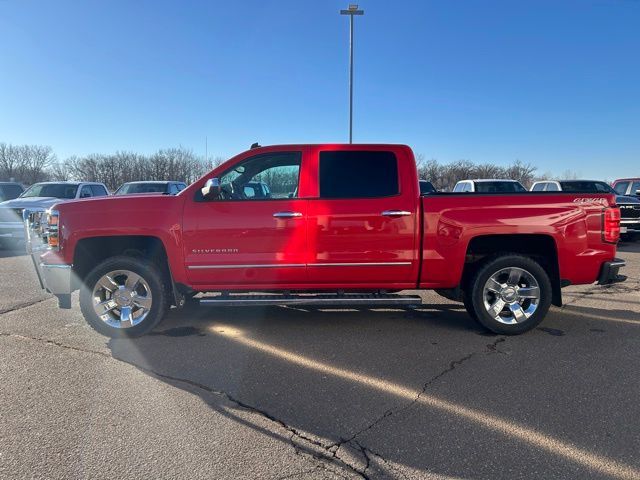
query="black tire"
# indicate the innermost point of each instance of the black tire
(475, 301)
(468, 304)
(149, 272)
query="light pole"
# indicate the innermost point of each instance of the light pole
(351, 11)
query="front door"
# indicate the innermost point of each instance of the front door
(254, 233)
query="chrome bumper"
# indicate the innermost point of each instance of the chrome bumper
(56, 279)
(627, 225)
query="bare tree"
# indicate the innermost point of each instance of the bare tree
(26, 163)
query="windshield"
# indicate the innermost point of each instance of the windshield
(499, 187)
(57, 190)
(587, 187)
(129, 188)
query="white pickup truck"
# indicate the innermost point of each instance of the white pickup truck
(40, 197)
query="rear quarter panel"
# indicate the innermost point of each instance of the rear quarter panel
(573, 221)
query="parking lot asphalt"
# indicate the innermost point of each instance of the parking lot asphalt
(321, 393)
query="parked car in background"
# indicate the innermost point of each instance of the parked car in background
(627, 186)
(426, 187)
(488, 185)
(165, 187)
(40, 197)
(629, 205)
(10, 190)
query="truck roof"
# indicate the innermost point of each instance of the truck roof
(67, 182)
(349, 146)
(573, 180)
(153, 181)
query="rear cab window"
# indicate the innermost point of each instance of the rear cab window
(585, 187)
(499, 187)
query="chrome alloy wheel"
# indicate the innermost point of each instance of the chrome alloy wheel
(511, 295)
(122, 299)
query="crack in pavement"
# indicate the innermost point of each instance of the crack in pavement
(327, 454)
(263, 413)
(492, 349)
(20, 306)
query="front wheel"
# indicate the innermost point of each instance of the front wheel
(510, 294)
(123, 297)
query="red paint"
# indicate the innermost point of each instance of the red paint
(431, 242)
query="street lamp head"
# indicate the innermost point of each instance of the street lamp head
(352, 10)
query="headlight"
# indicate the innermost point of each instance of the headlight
(53, 221)
(42, 229)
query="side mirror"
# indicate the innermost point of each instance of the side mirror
(211, 189)
(638, 192)
(85, 195)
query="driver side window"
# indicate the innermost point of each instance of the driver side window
(85, 192)
(263, 177)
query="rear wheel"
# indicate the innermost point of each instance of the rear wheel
(124, 297)
(510, 294)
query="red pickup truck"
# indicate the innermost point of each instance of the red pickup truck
(340, 225)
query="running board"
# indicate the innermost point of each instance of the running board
(320, 299)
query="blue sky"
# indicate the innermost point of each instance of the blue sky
(555, 83)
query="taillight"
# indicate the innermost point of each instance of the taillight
(611, 227)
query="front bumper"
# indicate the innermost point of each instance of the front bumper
(54, 278)
(609, 272)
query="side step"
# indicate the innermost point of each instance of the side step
(315, 299)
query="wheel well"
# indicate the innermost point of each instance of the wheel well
(541, 248)
(91, 251)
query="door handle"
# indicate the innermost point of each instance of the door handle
(395, 213)
(287, 214)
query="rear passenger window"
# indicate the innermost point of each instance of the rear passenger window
(356, 174)
(552, 187)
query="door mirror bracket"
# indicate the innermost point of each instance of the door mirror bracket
(211, 189)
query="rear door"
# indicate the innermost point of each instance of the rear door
(245, 240)
(363, 221)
